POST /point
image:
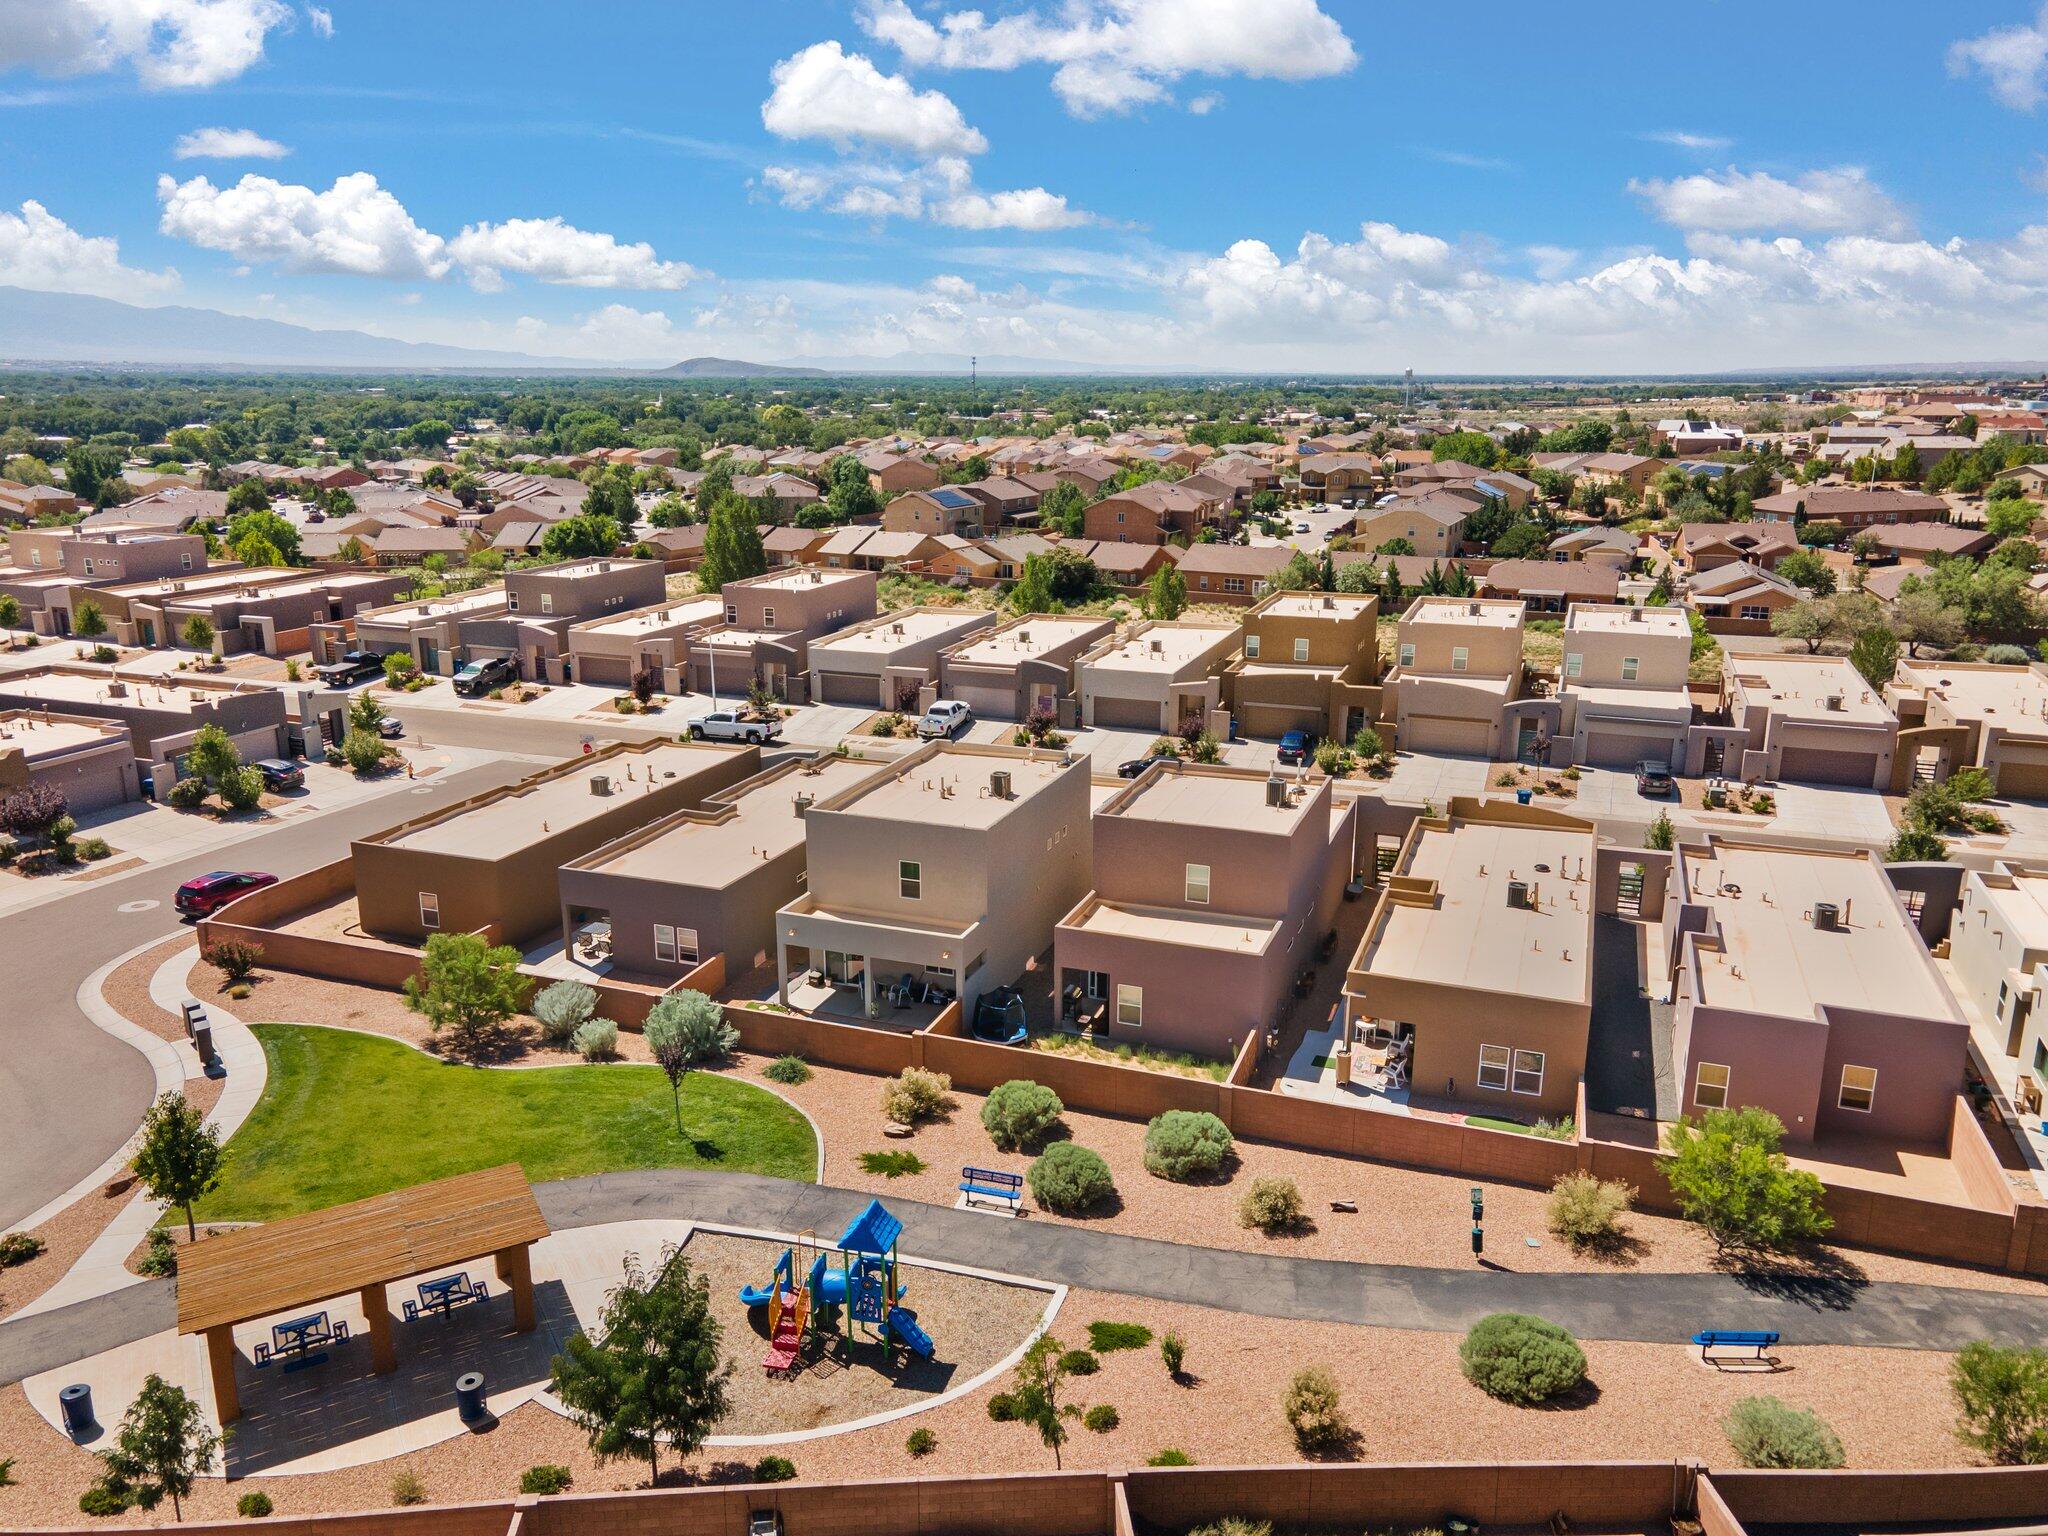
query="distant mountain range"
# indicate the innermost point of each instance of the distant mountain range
(730, 368)
(956, 362)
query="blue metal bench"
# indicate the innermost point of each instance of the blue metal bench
(992, 1184)
(1755, 1340)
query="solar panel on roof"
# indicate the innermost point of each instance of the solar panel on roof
(951, 498)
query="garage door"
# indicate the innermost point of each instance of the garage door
(604, 671)
(2022, 780)
(989, 703)
(1132, 714)
(1811, 765)
(1617, 749)
(1427, 733)
(849, 688)
(1278, 719)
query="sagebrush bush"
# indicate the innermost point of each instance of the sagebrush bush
(407, 1488)
(1314, 1411)
(1586, 1212)
(916, 1095)
(1767, 1433)
(787, 1070)
(1521, 1359)
(1272, 1205)
(774, 1469)
(1101, 1418)
(1068, 1178)
(253, 1506)
(1079, 1362)
(188, 794)
(1170, 1457)
(562, 1009)
(19, 1248)
(922, 1442)
(1020, 1114)
(1185, 1144)
(596, 1039)
(547, 1477)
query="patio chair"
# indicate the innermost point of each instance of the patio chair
(904, 993)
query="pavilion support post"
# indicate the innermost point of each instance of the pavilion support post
(515, 1268)
(383, 1357)
(220, 1360)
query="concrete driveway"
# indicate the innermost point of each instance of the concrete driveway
(1425, 776)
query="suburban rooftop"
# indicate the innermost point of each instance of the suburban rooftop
(1193, 795)
(58, 686)
(1487, 612)
(950, 784)
(1163, 647)
(437, 607)
(1606, 619)
(1340, 606)
(1801, 686)
(1177, 925)
(640, 621)
(2017, 696)
(39, 737)
(2026, 905)
(1024, 640)
(907, 626)
(738, 830)
(1469, 936)
(1773, 960)
(552, 802)
(803, 577)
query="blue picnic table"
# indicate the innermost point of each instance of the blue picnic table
(297, 1341)
(443, 1294)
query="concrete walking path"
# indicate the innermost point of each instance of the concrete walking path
(1648, 1308)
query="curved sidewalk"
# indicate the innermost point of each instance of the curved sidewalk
(1645, 1308)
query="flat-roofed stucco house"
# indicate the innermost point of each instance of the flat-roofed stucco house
(1957, 714)
(951, 867)
(1156, 675)
(428, 629)
(1006, 672)
(1810, 720)
(653, 641)
(1803, 987)
(1623, 684)
(489, 863)
(1479, 952)
(1213, 887)
(1457, 666)
(1310, 661)
(885, 662)
(162, 714)
(91, 762)
(769, 623)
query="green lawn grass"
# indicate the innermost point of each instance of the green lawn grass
(346, 1115)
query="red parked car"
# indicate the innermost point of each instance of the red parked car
(209, 893)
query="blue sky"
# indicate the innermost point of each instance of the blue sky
(1269, 184)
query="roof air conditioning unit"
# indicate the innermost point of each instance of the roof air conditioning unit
(803, 804)
(1827, 916)
(1518, 893)
(1472, 609)
(116, 689)
(1276, 791)
(600, 784)
(999, 783)
(1835, 703)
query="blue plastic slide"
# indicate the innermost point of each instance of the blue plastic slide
(902, 1325)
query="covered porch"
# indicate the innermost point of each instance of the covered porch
(870, 969)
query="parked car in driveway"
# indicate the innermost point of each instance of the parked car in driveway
(391, 727)
(206, 895)
(946, 717)
(730, 725)
(280, 773)
(1132, 767)
(354, 667)
(1294, 748)
(1654, 779)
(482, 676)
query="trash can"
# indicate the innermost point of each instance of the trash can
(469, 1396)
(1524, 796)
(76, 1401)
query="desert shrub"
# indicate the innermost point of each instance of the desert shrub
(1079, 1362)
(1521, 1359)
(1002, 1408)
(562, 1009)
(1101, 1418)
(233, 958)
(1272, 1205)
(922, 1442)
(159, 1254)
(596, 1039)
(1170, 1457)
(774, 1469)
(1107, 1338)
(787, 1070)
(253, 1506)
(2006, 655)
(93, 848)
(1068, 1178)
(241, 789)
(1586, 1212)
(406, 1488)
(547, 1477)
(1173, 1353)
(1766, 1433)
(1566, 1129)
(1185, 1144)
(19, 1248)
(1314, 1411)
(2002, 1392)
(916, 1095)
(1020, 1114)
(891, 1165)
(241, 991)
(188, 794)
(104, 1498)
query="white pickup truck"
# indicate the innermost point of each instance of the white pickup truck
(729, 725)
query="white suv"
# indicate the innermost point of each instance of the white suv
(946, 717)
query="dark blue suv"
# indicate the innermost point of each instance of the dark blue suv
(1294, 749)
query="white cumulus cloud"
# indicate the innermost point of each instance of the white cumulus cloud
(827, 93)
(354, 227)
(1840, 201)
(941, 190)
(39, 250)
(1115, 55)
(227, 144)
(552, 251)
(2013, 59)
(1028, 208)
(168, 43)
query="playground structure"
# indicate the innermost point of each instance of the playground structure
(865, 1284)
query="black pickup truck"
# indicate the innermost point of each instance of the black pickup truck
(354, 667)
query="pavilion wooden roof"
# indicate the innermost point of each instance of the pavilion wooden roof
(242, 1275)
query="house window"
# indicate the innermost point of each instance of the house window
(1233, 583)
(1629, 666)
(1198, 885)
(1300, 650)
(1251, 647)
(185, 561)
(547, 602)
(675, 946)
(1407, 654)
(1710, 1086)
(430, 910)
(511, 601)
(732, 614)
(1859, 1089)
(1095, 984)
(88, 565)
(1574, 663)
(1753, 611)
(1529, 1072)
(910, 880)
(1494, 1061)
(767, 618)
(1460, 658)
(2041, 1059)
(1130, 1006)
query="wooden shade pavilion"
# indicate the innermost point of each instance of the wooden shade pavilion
(238, 1277)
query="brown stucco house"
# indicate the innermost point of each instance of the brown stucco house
(1027, 664)
(1309, 661)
